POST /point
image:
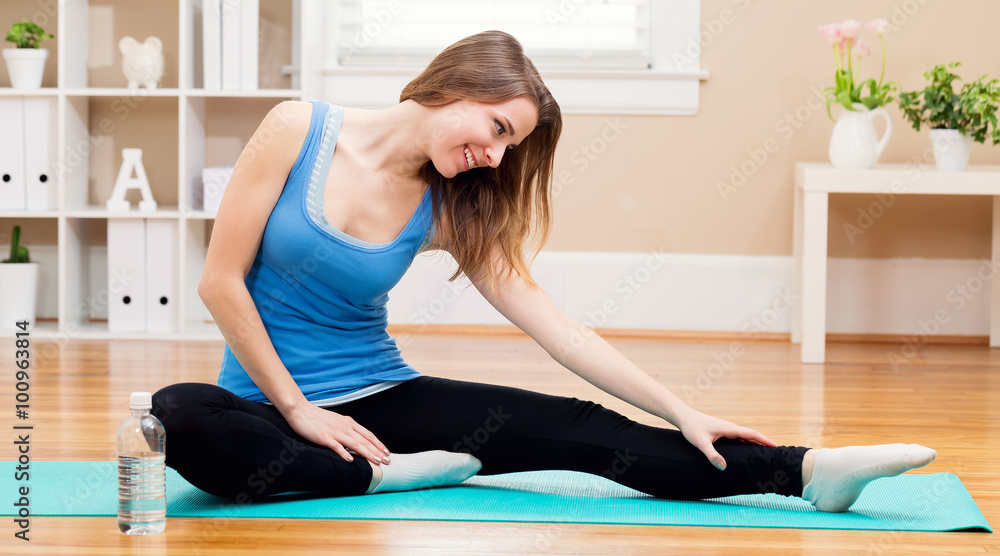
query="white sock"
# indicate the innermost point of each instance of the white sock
(426, 469)
(840, 474)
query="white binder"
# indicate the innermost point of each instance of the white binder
(161, 275)
(12, 190)
(231, 22)
(38, 148)
(249, 26)
(211, 38)
(126, 275)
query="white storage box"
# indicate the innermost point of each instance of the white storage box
(213, 185)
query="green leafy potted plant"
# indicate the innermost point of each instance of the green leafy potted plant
(955, 119)
(26, 62)
(19, 277)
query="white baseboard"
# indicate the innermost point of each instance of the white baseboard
(668, 291)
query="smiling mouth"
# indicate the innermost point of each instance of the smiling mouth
(469, 159)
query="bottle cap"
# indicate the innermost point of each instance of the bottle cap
(141, 400)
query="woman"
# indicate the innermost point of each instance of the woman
(305, 248)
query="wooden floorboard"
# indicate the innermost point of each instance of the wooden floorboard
(946, 397)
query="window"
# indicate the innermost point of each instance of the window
(555, 35)
(596, 56)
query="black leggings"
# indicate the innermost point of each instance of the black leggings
(235, 448)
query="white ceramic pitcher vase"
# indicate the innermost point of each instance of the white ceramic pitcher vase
(855, 143)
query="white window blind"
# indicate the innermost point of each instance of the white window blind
(555, 34)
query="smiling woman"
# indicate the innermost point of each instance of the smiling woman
(492, 208)
(302, 306)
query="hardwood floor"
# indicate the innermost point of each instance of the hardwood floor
(946, 397)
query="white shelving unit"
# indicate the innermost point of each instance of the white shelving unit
(79, 201)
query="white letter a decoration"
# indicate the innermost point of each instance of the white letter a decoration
(131, 160)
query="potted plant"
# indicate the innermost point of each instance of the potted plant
(854, 142)
(19, 277)
(955, 119)
(26, 63)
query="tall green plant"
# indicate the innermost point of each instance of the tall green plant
(18, 253)
(27, 35)
(972, 110)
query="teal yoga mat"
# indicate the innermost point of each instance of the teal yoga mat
(929, 502)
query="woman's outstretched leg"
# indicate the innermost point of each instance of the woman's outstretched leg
(511, 429)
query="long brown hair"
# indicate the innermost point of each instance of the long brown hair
(493, 206)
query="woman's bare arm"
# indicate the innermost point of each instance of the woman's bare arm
(586, 354)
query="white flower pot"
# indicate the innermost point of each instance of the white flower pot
(18, 287)
(854, 142)
(951, 149)
(25, 66)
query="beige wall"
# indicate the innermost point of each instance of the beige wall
(655, 184)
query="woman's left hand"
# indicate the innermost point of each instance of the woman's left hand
(703, 430)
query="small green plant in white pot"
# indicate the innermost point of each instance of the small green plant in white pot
(26, 62)
(18, 285)
(955, 119)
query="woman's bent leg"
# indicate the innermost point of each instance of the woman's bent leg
(511, 429)
(235, 448)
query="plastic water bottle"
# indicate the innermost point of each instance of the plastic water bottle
(142, 501)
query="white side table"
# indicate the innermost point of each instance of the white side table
(813, 184)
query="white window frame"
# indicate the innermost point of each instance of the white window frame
(670, 87)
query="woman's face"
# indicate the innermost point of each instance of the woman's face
(472, 135)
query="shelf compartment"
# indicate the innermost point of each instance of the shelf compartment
(278, 48)
(40, 236)
(85, 292)
(217, 130)
(92, 31)
(97, 128)
(46, 16)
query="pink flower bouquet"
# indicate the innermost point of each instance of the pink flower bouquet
(848, 48)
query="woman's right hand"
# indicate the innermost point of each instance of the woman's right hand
(337, 432)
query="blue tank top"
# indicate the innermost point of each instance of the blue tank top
(321, 293)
